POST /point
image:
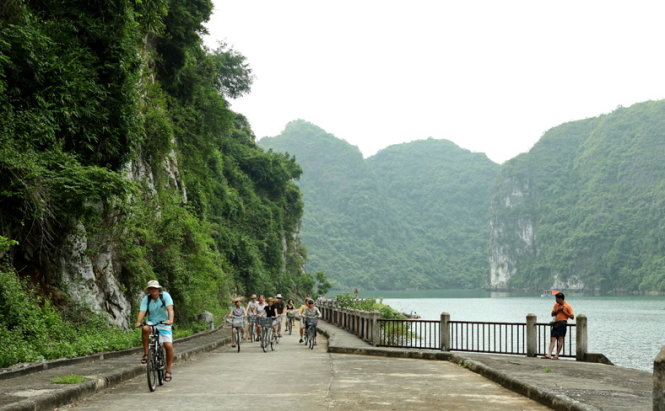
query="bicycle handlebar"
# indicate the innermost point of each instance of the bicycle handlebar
(143, 324)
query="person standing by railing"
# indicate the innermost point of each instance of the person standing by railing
(561, 312)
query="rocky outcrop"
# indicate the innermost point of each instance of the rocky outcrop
(89, 277)
(509, 238)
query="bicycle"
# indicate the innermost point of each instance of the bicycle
(156, 369)
(237, 323)
(268, 337)
(251, 319)
(310, 332)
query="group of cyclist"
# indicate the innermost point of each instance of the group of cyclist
(157, 305)
(260, 307)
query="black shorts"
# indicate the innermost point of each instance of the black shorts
(559, 329)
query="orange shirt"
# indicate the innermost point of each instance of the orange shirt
(560, 315)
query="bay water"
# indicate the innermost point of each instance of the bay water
(629, 330)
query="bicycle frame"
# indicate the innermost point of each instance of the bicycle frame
(156, 365)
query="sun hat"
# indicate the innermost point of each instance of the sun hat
(279, 296)
(253, 297)
(153, 284)
(234, 299)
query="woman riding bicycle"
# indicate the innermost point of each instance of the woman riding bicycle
(290, 310)
(251, 314)
(237, 315)
(260, 312)
(300, 317)
(309, 313)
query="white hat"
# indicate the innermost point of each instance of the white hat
(153, 284)
(279, 296)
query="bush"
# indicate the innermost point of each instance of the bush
(350, 301)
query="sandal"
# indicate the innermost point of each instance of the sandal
(168, 376)
(144, 360)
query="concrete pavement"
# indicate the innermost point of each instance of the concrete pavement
(295, 378)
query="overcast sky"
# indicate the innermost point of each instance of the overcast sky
(491, 76)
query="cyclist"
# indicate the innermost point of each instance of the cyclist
(271, 310)
(279, 306)
(158, 306)
(311, 312)
(299, 316)
(251, 310)
(290, 310)
(237, 313)
(260, 312)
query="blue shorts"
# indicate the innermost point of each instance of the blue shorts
(559, 329)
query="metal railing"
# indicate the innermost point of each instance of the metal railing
(569, 345)
(530, 338)
(409, 334)
(488, 337)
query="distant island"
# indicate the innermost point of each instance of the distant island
(582, 210)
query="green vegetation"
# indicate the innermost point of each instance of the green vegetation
(547, 370)
(114, 117)
(350, 301)
(414, 216)
(593, 192)
(32, 329)
(68, 379)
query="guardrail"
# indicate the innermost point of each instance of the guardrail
(362, 324)
(530, 338)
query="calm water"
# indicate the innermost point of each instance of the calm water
(628, 330)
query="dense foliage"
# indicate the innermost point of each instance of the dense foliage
(350, 301)
(412, 216)
(114, 116)
(593, 193)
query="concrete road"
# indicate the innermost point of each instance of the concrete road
(296, 378)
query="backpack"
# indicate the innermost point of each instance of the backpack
(147, 310)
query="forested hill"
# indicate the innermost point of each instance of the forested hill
(120, 162)
(412, 216)
(585, 208)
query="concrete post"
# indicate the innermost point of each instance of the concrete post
(444, 334)
(581, 342)
(376, 331)
(531, 335)
(659, 381)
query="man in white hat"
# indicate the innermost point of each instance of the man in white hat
(158, 306)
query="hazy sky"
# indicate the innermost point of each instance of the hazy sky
(491, 76)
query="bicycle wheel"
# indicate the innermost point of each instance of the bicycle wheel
(264, 340)
(152, 369)
(161, 364)
(289, 325)
(312, 334)
(273, 339)
(238, 337)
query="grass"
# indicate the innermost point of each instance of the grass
(68, 379)
(464, 364)
(548, 369)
